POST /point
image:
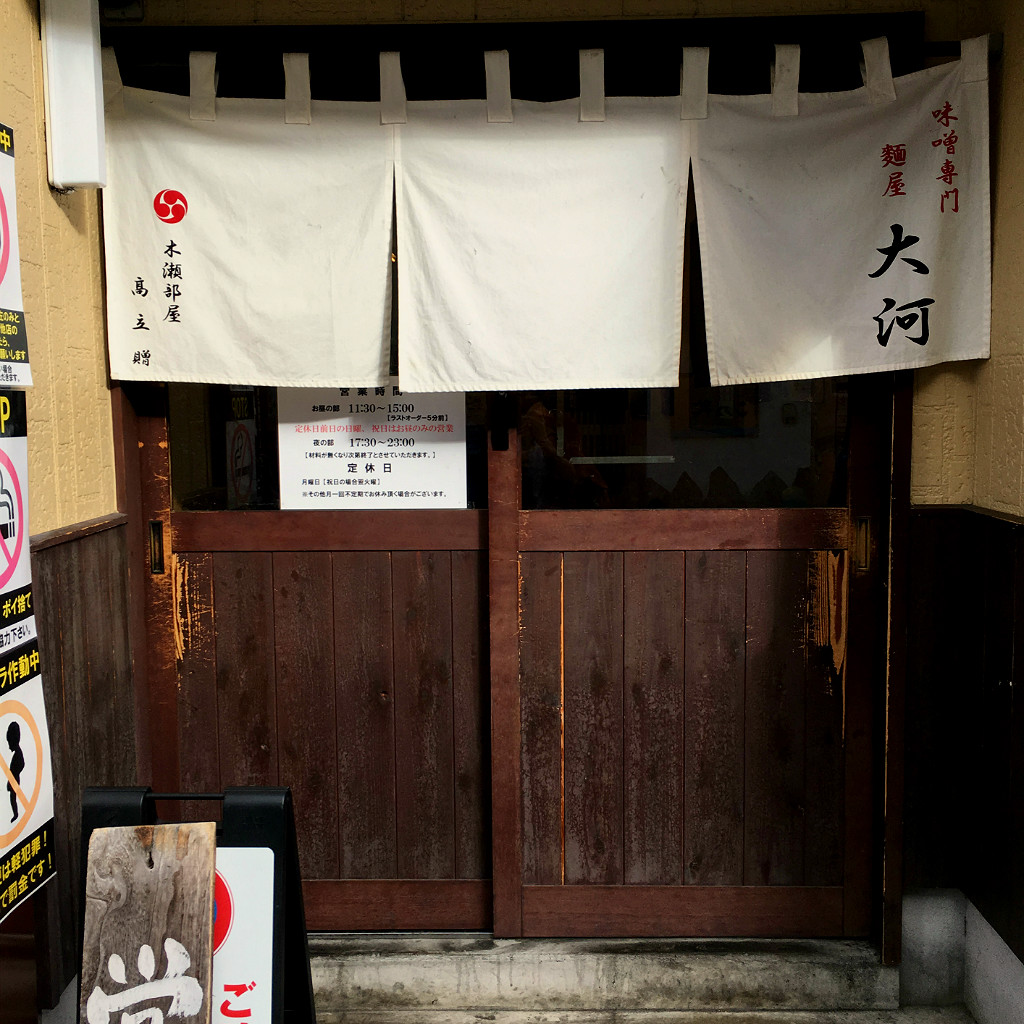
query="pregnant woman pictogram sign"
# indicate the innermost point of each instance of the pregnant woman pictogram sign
(21, 754)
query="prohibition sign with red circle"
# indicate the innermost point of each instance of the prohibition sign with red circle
(12, 559)
(15, 707)
(223, 911)
(5, 237)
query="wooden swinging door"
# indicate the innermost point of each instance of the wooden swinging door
(682, 708)
(579, 722)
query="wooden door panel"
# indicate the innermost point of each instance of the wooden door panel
(424, 714)
(825, 682)
(774, 694)
(714, 663)
(364, 660)
(592, 617)
(243, 596)
(470, 668)
(689, 910)
(195, 651)
(653, 803)
(540, 666)
(358, 678)
(307, 736)
(691, 783)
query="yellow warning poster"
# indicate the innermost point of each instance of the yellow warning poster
(26, 782)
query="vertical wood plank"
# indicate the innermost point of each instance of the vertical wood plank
(504, 479)
(880, 406)
(713, 744)
(56, 906)
(307, 735)
(424, 713)
(653, 586)
(81, 604)
(106, 676)
(894, 614)
(160, 747)
(129, 475)
(197, 675)
(825, 681)
(243, 593)
(71, 599)
(774, 761)
(366, 714)
(541, 690)
(593, 717)
(472, 748)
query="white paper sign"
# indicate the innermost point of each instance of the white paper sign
(14, 368)
(243, 935)
(371, 448)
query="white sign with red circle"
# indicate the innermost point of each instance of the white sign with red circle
(26, 783)
(14, 367)
(10, 263)
(243, 934)
(15, 567)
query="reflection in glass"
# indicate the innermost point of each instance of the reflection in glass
(748, 446)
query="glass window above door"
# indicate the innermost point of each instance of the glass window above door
(750, 446)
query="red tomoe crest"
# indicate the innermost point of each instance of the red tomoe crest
(170, 206)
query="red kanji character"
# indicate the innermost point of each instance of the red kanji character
(896, 186)
(894, 155)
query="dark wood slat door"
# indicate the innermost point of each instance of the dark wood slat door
(693, 744)
(344, 655)
(548, 722)
(691, 728)
(357, 678)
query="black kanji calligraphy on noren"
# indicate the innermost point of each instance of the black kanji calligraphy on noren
(904, 322)
(891, 252)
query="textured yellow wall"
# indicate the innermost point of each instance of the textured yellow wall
(999, 448)
(71, 460)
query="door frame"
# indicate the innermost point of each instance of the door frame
(878, 484)
(143, 475)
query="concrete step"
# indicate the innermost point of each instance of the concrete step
(907, 1015)
(472, 978)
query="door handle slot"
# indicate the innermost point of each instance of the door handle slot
(862, 544)
(156, 547)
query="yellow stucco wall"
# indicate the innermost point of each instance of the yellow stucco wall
(968, 419)
(71, 453)
(999, 432)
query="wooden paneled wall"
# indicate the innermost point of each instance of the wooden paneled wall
(701, 741)
(358, 678)
(80, 592)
